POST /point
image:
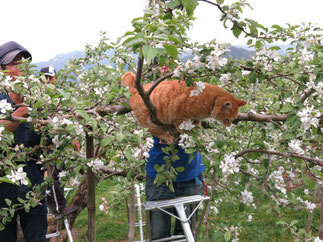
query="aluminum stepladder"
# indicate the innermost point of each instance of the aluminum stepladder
(60, 220)
(179, 204)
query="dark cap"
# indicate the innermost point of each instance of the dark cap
(9, 50)
(48, 71)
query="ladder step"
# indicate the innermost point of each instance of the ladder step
(151, 205)
(172, 238)
(52, 235)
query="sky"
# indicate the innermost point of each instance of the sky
(50, 27)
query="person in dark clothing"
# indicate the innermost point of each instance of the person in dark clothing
(34, 222)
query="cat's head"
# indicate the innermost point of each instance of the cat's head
(226, 109)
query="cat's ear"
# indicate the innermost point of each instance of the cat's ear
(241, 103)
(227, 106)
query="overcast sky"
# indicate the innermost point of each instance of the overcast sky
(47, 27)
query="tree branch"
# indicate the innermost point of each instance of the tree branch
(260, 117)
(289, 154)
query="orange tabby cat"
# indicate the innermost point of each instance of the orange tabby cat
(174, 104)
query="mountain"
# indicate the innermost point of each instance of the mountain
(59, 61)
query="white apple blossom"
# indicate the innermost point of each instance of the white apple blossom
(56, 141)
(5, 106)
(309, 117)
(200, 87)
(186, 141)
(210, 148)
(187, 125)
(225, 79)
(317, 239)
(277, 178)
(95, 164)
(214, 210)
(1, 130)
(247, 197)
(214, 60)
(66, 121)
(308, 205)
(230, 165)
(5, 81)
(62, 174)
(295, 146)
(18, 177)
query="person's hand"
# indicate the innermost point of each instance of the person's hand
(21, 112)
(16, 98)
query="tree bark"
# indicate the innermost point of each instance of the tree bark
(321, 218)
(91, 179)
(132, 213)
(310, 216)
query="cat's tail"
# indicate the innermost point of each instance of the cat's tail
(128, 80)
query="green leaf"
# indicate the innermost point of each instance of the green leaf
(129, 154)
(189, 5)
(8, 201)
(149, 53)
(227, 235)
(1, 226)
(180, 168)
(174, 39)
(171, 50)
(287, 108)
(133, 41)
(106, 141)
(253, 77)
(281, 222)
(5, 179)
(172, 4)
(235, 29)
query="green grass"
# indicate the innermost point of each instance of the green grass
(263, 227)
(108, 228)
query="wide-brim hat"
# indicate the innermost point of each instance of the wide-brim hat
(9, 50)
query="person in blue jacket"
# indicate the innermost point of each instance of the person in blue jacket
(189, 182)
(34, 222)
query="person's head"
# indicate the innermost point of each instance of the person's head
(50, 74)
(11, 54)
